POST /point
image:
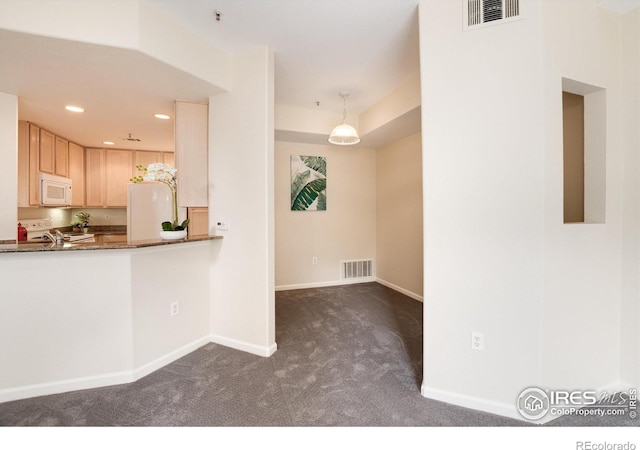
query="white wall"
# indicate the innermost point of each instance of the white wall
(482, 163)
(87, 21)
(96, 318)
(241, 146)
(140, 27)
(345, 231)
(498, 258)
(582, 262)
(399, 215)
(159, 277)
(70, 329)
(9, 165)
(630, 312)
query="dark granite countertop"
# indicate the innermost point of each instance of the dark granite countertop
(71, 246)
(99, 229)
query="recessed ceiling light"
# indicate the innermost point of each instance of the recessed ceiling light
(162, 116)
(108, 143)
(74, 108)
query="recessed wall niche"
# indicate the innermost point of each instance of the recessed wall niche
(584, 152)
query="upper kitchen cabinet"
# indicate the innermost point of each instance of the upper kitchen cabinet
(94, 177)
(47, 158)
(62, 157)
(169, 158)
(191, 153)
(76, 173)
(54, 154)
(108, 173)
(142, 158)
(40, 150)
(118, 172)
(28, 155)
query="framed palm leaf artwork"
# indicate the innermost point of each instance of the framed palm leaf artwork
(308, 183)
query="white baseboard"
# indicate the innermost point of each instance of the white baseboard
(404, 291)
(170, 357)
(58, 387)
(290, 287)
(244, 346)
(96, 381)
(467, 401)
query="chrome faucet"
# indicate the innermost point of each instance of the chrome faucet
(58, 239)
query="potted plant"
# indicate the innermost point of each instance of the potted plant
(165, 173)
(82, 224)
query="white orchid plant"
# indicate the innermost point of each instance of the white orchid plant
(164, 173)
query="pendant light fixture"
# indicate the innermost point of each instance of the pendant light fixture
(344, 134)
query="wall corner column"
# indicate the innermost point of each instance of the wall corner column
(9, 164)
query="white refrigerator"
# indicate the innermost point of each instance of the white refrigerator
(148, 205)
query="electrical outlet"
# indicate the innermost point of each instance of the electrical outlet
(223, 225)
(107, 217)
(314, 260)
(175, 308)
(477, 340)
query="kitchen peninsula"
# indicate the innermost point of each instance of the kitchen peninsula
(115, 245)
(98, 314)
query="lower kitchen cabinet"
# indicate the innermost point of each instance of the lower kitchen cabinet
(198, 221)
(111, 238)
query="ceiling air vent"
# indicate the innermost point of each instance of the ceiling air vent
(489, 12)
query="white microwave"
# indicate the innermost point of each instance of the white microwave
(54, 190)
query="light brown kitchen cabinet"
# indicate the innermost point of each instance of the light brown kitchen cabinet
(118, 164)
(169, 158)
(111, 238)
(198, 221)
(144, 158)
(47, 158)
(94, 177)
(62, 157)
(108, 172)
(191, 153)
(76, 173)
(23, 164)
(28, 156)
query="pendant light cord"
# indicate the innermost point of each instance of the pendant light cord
(344, 96)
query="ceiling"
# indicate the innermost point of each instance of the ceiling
(321, 47)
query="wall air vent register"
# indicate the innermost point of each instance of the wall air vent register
(479, 13)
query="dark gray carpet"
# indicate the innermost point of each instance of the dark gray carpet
(347, 356)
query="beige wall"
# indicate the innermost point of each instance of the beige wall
(346, 230)
(399, 215)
